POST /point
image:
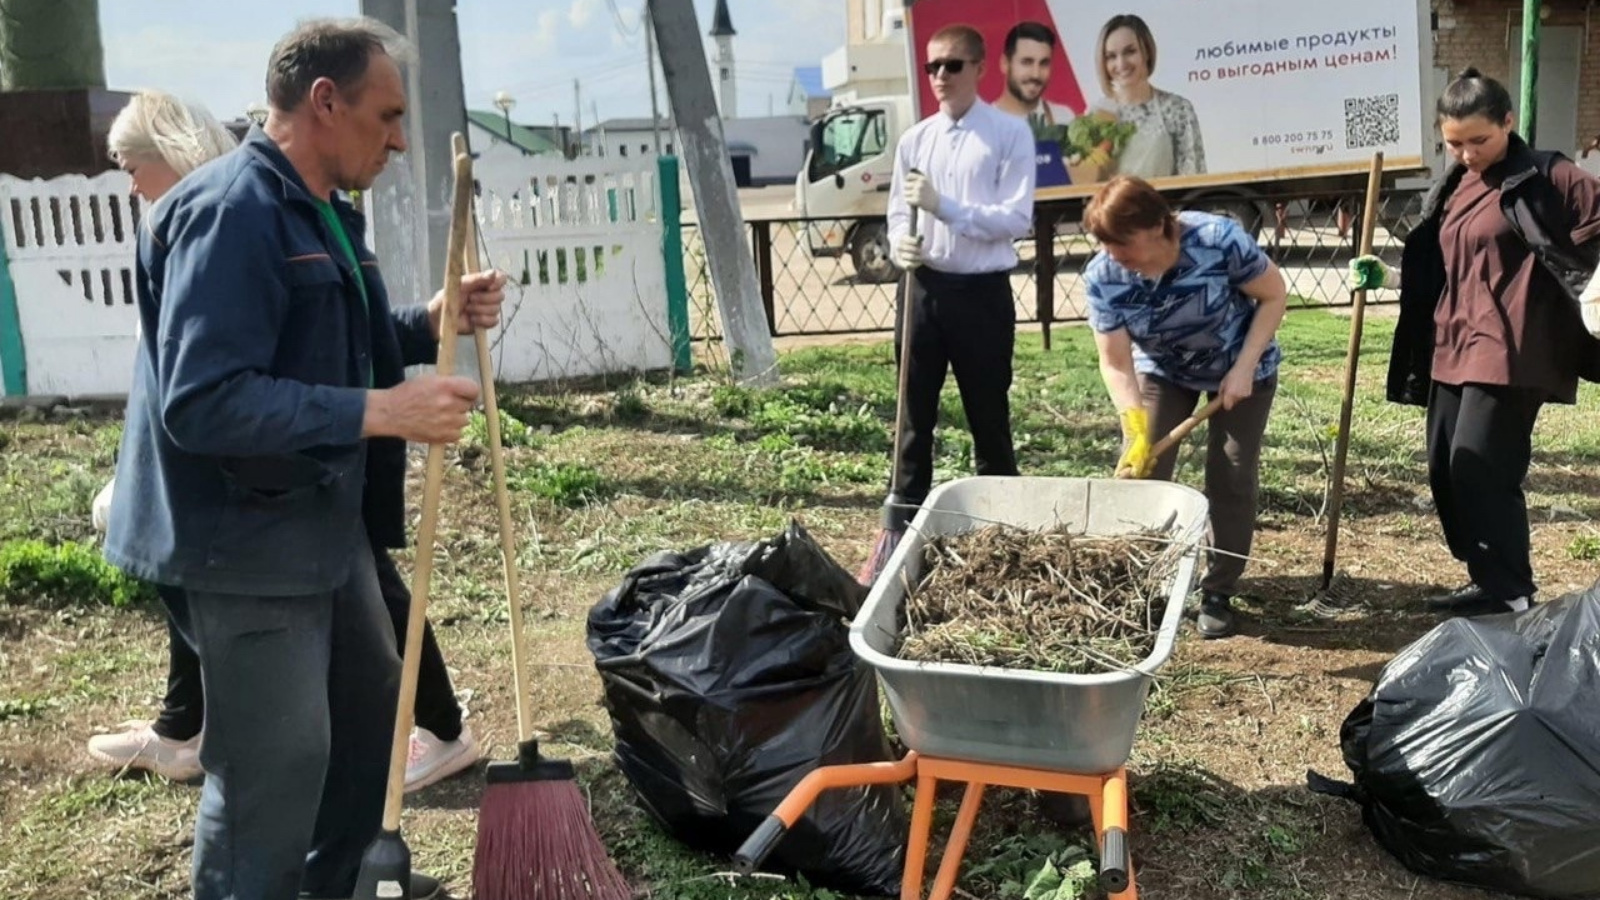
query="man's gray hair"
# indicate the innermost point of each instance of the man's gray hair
(337, 49)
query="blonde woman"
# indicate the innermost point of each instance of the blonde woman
(158, 139)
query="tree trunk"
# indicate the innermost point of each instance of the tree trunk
(50, 44)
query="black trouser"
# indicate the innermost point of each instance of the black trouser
(968, 325)
(183, 709)
(1480, 442)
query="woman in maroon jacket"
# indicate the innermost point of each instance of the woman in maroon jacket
(1509, 237)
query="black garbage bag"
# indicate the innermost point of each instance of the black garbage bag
(729, 677)
(1477, 755)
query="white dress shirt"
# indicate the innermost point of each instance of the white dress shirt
(982, 165)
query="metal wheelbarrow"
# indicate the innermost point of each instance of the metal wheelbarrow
(1006, 727)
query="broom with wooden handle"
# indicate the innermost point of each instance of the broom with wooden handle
(386, 864)
(535, 838)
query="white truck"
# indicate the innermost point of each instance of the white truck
(1293, 105)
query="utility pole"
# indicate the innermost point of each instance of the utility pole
(600, 133)
(716, 199)
(650, 59)
(1527, 127)
(409, 205)
(577, 115)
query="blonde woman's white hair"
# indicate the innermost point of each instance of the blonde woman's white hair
(156, 125)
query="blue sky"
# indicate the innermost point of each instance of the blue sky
(216, 52)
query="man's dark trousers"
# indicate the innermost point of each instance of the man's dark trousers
(966, 324)
(300, 700)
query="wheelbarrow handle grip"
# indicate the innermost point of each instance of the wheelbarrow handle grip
(1114, 860)
(759, 845)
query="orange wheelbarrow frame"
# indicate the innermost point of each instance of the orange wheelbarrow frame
(1107, 795)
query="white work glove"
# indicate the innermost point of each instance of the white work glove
(1589, 303)
(100, 509)
(1370, 272)
(908, 251)
(919, 192)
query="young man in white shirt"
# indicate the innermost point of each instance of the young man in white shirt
(968, 169)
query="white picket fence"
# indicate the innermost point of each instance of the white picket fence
(581, 240)
(69, 243)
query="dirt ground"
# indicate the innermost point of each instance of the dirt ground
(1220, 807)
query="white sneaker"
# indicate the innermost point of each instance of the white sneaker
(433, 760)
(137, 746)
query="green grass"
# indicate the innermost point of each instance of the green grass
(605, 475)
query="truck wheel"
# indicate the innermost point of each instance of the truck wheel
(869, 250)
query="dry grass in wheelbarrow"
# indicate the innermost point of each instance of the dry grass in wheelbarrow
(1049, 601)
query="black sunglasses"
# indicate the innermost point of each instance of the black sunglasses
(952, 66)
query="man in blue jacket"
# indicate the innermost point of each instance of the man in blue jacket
(265, 442)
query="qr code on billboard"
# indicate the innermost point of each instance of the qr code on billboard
(1372, 121)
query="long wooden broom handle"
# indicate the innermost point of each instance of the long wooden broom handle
(502, 496)
(422, 573)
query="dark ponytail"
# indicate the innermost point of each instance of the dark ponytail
(1473, 94)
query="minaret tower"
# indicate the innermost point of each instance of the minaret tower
(722, 30)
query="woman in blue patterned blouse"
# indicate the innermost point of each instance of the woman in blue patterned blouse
(1184, 304)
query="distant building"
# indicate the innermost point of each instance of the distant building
(763, 150)
(807, 95)
(486, 128)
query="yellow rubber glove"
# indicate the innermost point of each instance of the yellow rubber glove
(1136, 461)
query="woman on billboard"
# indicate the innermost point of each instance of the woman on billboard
(1167, 140)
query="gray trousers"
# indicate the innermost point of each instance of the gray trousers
(300, 701)
(1233, 461)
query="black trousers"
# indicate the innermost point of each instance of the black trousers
(183, 707)
(965, 324)
(1480, 442)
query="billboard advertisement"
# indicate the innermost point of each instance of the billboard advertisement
(1196, 92)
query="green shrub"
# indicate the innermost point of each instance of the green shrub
(564, 484)
(39, 574)
(630, 405)
(513, 431)
(732, 402)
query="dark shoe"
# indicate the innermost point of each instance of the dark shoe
(1217, 618)
(423, 887)
(1468, 595)
(1065, 810)
(1485, 605)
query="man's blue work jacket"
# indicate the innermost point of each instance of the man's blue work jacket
(242, 468)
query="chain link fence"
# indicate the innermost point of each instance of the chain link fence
(1312, 239)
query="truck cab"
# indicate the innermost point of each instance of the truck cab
(848, 170)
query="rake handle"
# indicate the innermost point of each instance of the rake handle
(1358, 308)
(907, 286)
(427, 530)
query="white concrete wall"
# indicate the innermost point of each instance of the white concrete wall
(585, 233)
